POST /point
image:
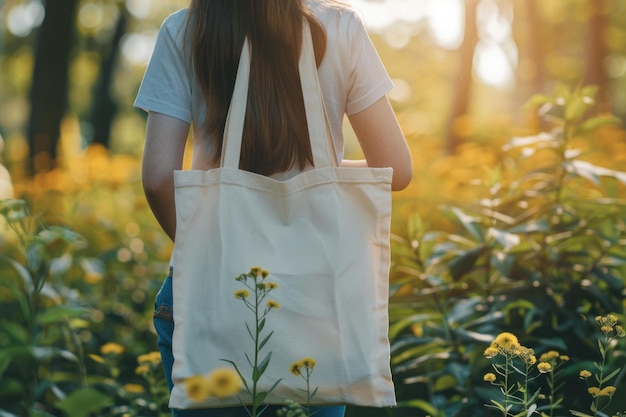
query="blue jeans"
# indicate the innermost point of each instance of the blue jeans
(164, 325)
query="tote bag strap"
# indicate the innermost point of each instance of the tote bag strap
(319, 132)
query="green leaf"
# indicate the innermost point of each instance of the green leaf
(498, 405)
(589, 91)
(58, 314)
(22, 272)
(275, 384)
(609, 376)
(264, 364)
(16, 333)
(464, 263)
(470, 223)
(47, 352)
(245, 383)
(421, 404)
(260, 397)
(445, 382)
(576, 108)
(533, 226)
(264, 341)
(579, 414)
(594, 123)
(592, 172)
(406, 322)
(525, 141)
(249, 331)
(505, 239)
(83, 402)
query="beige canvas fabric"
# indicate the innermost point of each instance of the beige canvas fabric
(324, 237)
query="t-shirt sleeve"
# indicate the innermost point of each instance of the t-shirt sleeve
(368, 78)
(165, 87)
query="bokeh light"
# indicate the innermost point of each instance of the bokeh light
(23, 18)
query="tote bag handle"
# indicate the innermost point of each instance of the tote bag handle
(322, 147)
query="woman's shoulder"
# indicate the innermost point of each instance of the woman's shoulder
(335, 15)
(175, 21)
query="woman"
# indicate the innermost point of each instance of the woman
(189, 82)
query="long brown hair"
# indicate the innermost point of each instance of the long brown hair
(275, 136)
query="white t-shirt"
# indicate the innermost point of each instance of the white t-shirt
(352, 76)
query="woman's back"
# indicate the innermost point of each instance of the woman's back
(351, 77)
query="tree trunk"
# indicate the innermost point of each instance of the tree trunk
(463, 82)
(50, 83)
(530, 36)
(597, 52)
(105, 107)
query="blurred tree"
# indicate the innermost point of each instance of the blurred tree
(49, 89)
(529, 34)
(463, 81)
(597, 52)
(105, 106)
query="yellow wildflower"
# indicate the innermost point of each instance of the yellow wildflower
(149, 358)
(295, 368)
(417, 329)
(544, 367)
(308, 362)
(133, 388)
(490, 352)
(606, 322)
(272, 304)
(606, 329)
(271, 285)
(96, 358)
(111, 348)
(607, 391)
(255, 271)
(526, 354)
(584, 374)
(506, 341)
(224, 382)
(549, 356)
(619, 330)
(242, 294)
(264, 273)
(594, 391)
(93, 277)
(564, 358)
(197, 388)
(489, 377)
(142, 369)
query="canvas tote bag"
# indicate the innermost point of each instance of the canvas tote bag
(323, 235)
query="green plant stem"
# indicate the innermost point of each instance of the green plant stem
(506, 386)
(551, 383)
(526, 386)
(601, 369)
(255, 405)
(308, 393)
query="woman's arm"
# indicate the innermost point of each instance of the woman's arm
(163, 153)
(383, 142)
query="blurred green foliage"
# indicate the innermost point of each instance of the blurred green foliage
(539, 252)
(520, 230)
